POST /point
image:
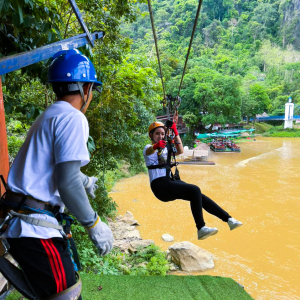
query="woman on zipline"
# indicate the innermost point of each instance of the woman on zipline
(165, 188)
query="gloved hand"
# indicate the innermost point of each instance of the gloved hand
(174, 129)
(91, 186)
(160, 144)
(101, 236)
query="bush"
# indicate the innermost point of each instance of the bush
(147, 261)
(279, 131)
(16, 133)
(188, 140)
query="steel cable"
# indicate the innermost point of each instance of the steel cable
(190, 45)
(156, 46)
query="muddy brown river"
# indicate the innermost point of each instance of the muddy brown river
(260, 187)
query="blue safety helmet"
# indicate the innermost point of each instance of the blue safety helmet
(72, 66)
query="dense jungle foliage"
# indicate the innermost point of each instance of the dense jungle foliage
(245, 60)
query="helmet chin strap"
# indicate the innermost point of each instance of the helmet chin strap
(80, 85)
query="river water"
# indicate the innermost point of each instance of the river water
(260, 187)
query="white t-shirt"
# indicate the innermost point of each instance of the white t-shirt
(152, 160)
(58, 135)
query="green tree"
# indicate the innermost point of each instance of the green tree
(259, 100)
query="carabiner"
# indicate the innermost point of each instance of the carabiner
(6, 219)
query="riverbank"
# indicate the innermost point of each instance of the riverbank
(260, 187)
(268, 130)
(280, 132)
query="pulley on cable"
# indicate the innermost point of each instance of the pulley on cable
(172, 103)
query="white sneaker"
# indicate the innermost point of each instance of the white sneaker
(204, 232)
(233, 223)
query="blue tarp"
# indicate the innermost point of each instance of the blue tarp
(223, 134)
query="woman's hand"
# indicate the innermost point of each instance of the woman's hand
(161, 144)
(174, 128)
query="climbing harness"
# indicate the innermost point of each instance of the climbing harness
(171, 160)
(14, 205)
(17, 278)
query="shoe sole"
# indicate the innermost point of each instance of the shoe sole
(237, 226)
(208, 235)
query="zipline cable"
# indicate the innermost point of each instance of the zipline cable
(156, 46)
(190, 46)
(178, 100)
(101, 112)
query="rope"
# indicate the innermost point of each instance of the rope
(156, 46)
(101, 117)
(102, 142)
(190, 46)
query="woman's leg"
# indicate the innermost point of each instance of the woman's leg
(192, 193)
(213, 208)
(166, 190)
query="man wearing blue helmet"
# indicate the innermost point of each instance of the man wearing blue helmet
(45, 177)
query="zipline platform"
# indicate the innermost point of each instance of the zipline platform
(170, 287)
(195, 162)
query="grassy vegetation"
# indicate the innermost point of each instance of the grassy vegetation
(274, 131)
(280, 132)
(262, 127)
(110, 287)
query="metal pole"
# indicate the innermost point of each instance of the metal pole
(4, 159)
(80, 20)
(24, 59)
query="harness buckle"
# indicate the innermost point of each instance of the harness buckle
(6, 219)
(4, 245)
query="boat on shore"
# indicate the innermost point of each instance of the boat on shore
(224, 146)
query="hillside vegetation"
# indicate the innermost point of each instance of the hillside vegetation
(245, 57)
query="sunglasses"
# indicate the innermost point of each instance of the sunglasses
(96, 88)
(96, 97)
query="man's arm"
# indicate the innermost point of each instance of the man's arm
(73, 195)
(89, 184)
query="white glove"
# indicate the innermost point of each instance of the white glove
(101, 235)
(91, 186)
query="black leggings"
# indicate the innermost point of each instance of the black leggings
(167, 190)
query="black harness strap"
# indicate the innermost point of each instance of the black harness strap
(171, 151)
(168, 166)
(163, 166)
(17, 278)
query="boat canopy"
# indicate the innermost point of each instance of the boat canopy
(223, 134)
